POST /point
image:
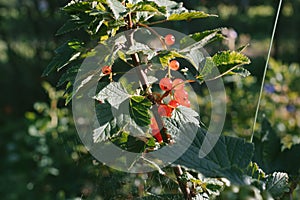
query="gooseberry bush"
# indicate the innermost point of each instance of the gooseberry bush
(144, 82)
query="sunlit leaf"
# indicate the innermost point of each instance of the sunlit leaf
(114, 93)
(188, 15)
(139, 110)
(71, 25)
(196, 37)
(277, 184)
(64, 54)
(117, 8)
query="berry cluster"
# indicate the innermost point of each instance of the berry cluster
(176, 89)
(179, 96)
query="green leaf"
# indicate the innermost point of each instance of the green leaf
(227, 62)
(148, 6)
(117, 8)
(255, 172)
(114, 93)
(165, 3)
(96, 25)
(75, 7)
(127, 123)
(139, 110)
(195, 57)
(104, 113)
(139, 47)
(166, 56)
(163, 197)
(225, 58)
(64, 55)
(267, 146)
(268, 152)
(207, 68)
(71, 25)
(229, 158)
(185, 115)
(129, 143)
(99, 134)
(85, 83)
(69, 75)
(108, 125)
(277, 184)
(193, 52)
(188, 15)
(112, 121)
(182, 118)
(199, 44)
(241, 71)
(196, 37)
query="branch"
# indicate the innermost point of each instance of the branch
(143, 78)
(183, 186)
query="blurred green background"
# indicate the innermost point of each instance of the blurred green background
(41, 155)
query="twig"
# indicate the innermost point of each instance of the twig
(143, 78)
(155, 33)
(183, 186)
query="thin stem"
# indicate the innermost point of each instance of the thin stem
(155, 33)
(143, 78)
(224, 73)
(157, 22)
(265, 70)
(135, 58)
(183, 186)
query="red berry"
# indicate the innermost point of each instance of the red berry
(180, 95)
(165, 110)
(153, 124)
(169, 39)
(173, 104)
(174, 65)
(178, 84)
(157, 135)
(186, 103)
(106, 70)
(165, 84)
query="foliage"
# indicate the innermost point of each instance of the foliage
(231, 158)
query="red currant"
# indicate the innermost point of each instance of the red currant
(169, 39)
(180, 95)
(153, 124)
(186, 103)
(106, 70)
(165, 84)
(165, 110)
(157, 135)
(173, 104)
(174, 65)
(178, 84)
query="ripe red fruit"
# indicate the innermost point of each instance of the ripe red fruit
(173, 104)
(106, 69)
(153, 124)
(180, 95)
(164, 110)
(174, 65)
(169, 39)
(157, 135)
(178, 84)
(186, 103)
(165, 84)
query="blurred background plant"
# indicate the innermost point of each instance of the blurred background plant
(42, 156)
